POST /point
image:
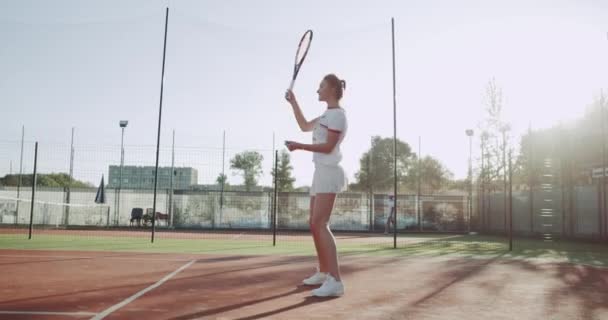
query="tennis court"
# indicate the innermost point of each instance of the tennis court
(155, 159)
(61, 276)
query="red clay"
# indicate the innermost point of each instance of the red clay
(267, 287)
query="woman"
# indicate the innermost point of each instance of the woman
(329, 179)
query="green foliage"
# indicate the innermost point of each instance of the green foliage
(58, 180)
(250, 165)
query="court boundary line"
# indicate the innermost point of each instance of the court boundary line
(132, 298)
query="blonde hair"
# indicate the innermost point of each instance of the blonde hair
(336, 84)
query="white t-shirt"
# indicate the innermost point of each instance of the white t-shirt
(391, 204)
(333, 119)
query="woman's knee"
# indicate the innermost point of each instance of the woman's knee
(317, 225)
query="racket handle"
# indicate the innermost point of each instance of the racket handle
(290, 88)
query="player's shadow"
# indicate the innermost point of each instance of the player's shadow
(299, 289)
(307, 301)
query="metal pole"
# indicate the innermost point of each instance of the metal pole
(564, 202)
(419, 180)
(371, 179)
(171, 180)
(160, 112)
(562, 178)
(34, 182)
(603, 115)
(72, 156)
(531, 174)
(122, 160)
(573, 213)
(603, 120)
(394, 133)
(571, 192)
(69, 193)
(274, 158)
(510, 204)
(504, 171)
(275, 198)
(470, 180)
(19, 181)
(483, 180)
(469, 133)
(369, 191)
(223, 182)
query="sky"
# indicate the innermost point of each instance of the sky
(88, 64)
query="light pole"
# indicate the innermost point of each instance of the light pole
(123, 124)
(470, 133)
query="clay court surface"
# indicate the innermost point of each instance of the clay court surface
(106, 284)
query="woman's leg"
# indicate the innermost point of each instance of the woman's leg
(324, 204)
(315, 237)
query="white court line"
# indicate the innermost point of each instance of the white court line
(130, 299)
(86, 257)
(49, 313)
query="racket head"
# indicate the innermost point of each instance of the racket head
(301, 53)
(303, 47)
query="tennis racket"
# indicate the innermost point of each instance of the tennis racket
(303, 47)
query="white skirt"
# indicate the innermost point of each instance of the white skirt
(328, 179)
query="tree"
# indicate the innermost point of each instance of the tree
(284, 179)
(222, 179)
(458, 184)
(494, 131)
(575, 148)
(44, 180)
(250, 163)
(377, 165)
(526, 169)
(433, 176)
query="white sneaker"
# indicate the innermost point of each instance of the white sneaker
(330, 288)
(316, 279)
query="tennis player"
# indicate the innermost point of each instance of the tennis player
(391, 215)
(329, 179)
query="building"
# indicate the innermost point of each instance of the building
(136, 177)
